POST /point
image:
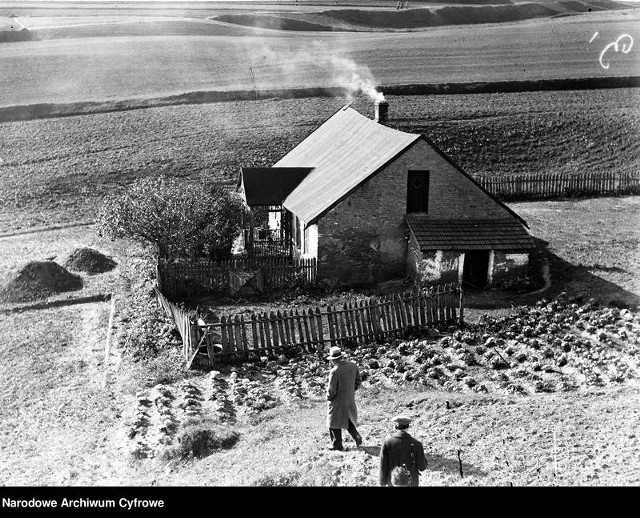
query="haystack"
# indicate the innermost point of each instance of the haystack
(90, 261)
(38, 279)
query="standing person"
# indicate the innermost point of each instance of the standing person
(400, 449)
(344, 380)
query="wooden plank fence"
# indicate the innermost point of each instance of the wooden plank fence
(184, 278)
(182, 321)
(359, 321)
(541, 186)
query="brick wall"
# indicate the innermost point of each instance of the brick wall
(454, 196)
(364, 238)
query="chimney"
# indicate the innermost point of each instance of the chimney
(382, 111)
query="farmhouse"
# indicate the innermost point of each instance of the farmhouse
(372, 203)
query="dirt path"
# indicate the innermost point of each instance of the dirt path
(60, 426)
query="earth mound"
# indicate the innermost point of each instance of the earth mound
(90, 261)
(38, 279)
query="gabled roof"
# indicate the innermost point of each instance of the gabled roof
(270, 185)
(343, 152)
(469, 234)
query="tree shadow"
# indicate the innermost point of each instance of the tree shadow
(577, 281)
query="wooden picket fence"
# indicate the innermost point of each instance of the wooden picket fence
(180, 278)
(541, 186)
(360, 321)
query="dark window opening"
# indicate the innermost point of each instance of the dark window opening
(476, 268)
(417, 191)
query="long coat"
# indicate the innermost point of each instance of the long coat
(398, 449)
(344, 380)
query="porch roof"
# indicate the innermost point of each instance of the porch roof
(270, 185)
(469, 234)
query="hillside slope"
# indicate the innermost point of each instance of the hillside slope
(412, 19)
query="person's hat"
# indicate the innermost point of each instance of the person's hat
(335, 353)
(402, 419)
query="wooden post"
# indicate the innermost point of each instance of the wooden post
(302, 338)
(320, 330)
(310, 326)
(348, 321)
(284, 324)
(273, 322)
(357, 316)
(245, 342)
(264, 321)
(341, 316)
(254, 332)
(237, 328)
(281, 331)
(461, 311)
(331, 330)
(223, 333)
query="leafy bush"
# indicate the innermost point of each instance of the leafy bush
(181, 219)
(200, 438)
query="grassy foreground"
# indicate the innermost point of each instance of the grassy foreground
(54, 361)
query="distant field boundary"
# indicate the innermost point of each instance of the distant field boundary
(550, 186)
(49, 110)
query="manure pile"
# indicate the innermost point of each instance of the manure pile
(38, 279)
(90, 261)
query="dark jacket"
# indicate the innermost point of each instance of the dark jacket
(398, 449)
(344, 380)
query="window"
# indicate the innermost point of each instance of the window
(417, 191)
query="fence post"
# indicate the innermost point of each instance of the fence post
(332, 334)
(461, 311)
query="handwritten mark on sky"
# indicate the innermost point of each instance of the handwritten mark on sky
(616, 47)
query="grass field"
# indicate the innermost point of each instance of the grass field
(161, 58)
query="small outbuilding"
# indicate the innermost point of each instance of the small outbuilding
(372, 203)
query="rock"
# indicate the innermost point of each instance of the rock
(521, 357)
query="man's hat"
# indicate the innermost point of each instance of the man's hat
(402, 419)
(335, 353)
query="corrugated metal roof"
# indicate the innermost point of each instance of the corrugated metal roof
(343, 152)
(469, 234)
(271, 185)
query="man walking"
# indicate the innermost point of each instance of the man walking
(400, 449)
(344, 380)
